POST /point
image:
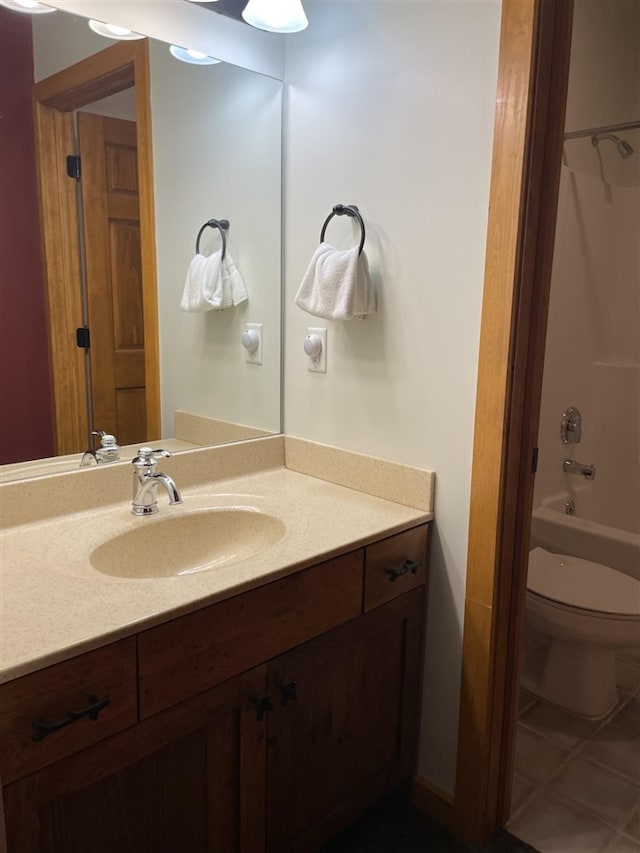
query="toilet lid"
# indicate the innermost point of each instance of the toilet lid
(583, 584)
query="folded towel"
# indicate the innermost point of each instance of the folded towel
(233, 288)
(212, 283)
(336, 285)
(202, 275)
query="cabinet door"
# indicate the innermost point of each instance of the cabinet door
(343, 731)
(190, 779)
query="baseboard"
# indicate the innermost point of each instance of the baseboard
(432, 801)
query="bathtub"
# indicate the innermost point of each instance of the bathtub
(581, 536)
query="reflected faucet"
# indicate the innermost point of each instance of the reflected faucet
(570, 466)
(107, 452)
(146, 482)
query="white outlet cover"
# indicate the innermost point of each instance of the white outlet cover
(318, 364)
(254, 356)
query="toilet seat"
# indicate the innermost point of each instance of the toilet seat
(581, 584)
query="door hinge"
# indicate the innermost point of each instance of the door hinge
(534, 460)
(83, 338)
(74, 169)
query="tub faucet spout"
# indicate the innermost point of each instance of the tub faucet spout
(570, 466)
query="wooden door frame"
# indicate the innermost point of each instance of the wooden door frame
(112, 70)
(528, 138)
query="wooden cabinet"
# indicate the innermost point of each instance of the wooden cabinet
(102, 681)
(265, 722)
(344, 725)
(189, 779)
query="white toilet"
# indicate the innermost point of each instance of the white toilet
(577, 614)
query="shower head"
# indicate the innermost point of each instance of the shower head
(624, 149)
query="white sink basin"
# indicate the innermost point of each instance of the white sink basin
(186, 543)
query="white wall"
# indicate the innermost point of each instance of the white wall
(60, 41)
(390, 106)
(217, 155)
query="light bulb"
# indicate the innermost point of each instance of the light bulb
(113, 31)
(118, 31)
(31, 7)
(193, 57)
(276, 16)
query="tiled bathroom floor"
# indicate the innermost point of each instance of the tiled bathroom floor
(577, 783)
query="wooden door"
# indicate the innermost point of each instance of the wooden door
(111, 222)
(189, 779)
(347, 732)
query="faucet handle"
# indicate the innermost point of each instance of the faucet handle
(147, 457)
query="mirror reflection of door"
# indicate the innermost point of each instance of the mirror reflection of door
(114, 292)
(113, 278)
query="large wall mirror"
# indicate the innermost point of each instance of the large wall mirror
(216, 153)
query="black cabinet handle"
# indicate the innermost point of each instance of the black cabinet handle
(289, 692)
(408, 566)
(41, 730)
(262, 706)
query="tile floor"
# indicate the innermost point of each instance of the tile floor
(577, 783)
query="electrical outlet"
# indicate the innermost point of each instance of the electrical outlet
(252, 342)
(315, 346)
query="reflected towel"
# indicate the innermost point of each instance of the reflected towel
(212, 284)
(336, 285)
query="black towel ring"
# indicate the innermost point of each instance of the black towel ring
(222, 225)
(341, 210)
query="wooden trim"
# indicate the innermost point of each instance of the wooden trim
(148, 241)
(59, 227)
(532, 85)
(431, 801)
(105, 73)
(114, 69)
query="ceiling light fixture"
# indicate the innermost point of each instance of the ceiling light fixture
(276, 16)
(193, 57)
(31, 7)
(111, 31)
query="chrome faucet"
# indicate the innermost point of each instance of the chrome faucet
(107, 452)
(146, 481)
(570, 466)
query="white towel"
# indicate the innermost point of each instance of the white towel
(212, 284)
(233, 290)
(336, 285)
(202, 275)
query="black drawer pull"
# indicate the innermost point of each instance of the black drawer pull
(408, 566)
(288, 692)
(41, 730)
(262, 706)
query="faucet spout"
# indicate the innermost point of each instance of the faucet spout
(146, 482)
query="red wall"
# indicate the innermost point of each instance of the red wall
(26, 411)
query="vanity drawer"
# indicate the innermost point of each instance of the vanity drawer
(394, 566)
(47, 697)
(195, 652)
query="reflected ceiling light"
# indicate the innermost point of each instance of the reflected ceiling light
(31, 7)
(111, 31)
(276, 16)
(193, 57)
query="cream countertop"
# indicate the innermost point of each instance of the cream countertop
(54, 604)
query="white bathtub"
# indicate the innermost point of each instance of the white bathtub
(579, 535)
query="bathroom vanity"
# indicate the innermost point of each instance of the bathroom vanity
(267, 719)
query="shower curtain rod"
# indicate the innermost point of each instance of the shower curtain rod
(607, 128)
